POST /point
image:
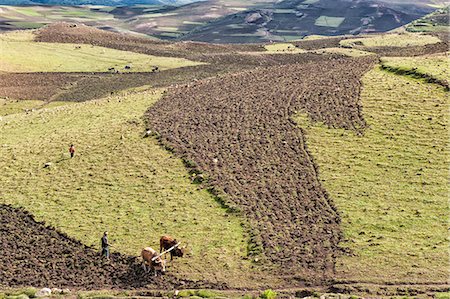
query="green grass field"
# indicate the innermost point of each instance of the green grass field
(392, 40)
(433, 66)
(118, 181)
(27, 11)
(390, 185)
(26, 25)
(327, 21)
(283, 48)
(344, 51)
(21, 54)
(10, 106)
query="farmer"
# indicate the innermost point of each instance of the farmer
(105, 245)
(72, 150)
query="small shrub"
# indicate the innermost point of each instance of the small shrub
(189, 163)
(444, 295)
(206, 294)
(303, 293)
(186, 293)
(30, 292)
(268, 294)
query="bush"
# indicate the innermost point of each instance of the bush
(268, 294)
(444, 295)
(206, 294)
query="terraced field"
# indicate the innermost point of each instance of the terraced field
(431, 67)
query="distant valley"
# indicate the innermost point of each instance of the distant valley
(222, 21)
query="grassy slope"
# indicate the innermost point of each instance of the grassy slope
(344, 51)
(434, 66)
(119, 182)
(9, 106)
(390, 184)
(283, 48)
(21, 54)
(393, 40)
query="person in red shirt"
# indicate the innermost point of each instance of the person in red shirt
(72, 150)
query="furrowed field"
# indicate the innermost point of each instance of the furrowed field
(306, 167)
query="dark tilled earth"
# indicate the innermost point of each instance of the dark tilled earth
(35, 254)
(237, 129)
(219, 59)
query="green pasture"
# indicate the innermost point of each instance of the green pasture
(27, 11)
(17, 106)
(21, 54)
(326, 21)
(344, 51)
(429, 23)
(390, 183)
(10, 106)
(283, 48)
(392, 40)
(193, 23)
(117, 181)
(433, 66)
(157, 15)
(166, 28)
(26, 25)
(284, 11)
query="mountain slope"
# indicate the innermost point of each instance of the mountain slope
(294, 19)
(95, 2)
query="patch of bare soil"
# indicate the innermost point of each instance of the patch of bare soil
(33, 254)
(78, 87)
(35, 86)
(315, 44)
(409, 51)
(237, 129)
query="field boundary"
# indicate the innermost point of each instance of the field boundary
(415, 74)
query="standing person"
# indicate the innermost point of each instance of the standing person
(72, 150)
(105, 245)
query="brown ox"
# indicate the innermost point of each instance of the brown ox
(166, 242)
(150, 258)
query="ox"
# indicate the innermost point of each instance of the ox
(152, 259)
(167, 242)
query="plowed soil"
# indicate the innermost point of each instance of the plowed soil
(409, 51)
(37, 255)
(237, 129)
(78, 87)
(315, 44)
(36, 86)
(78, 33)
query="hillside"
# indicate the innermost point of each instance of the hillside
(312, 167)
(223, 21)
(95, 2)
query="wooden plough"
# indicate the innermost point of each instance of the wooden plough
(166, 251)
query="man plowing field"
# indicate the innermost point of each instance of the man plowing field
(153, 260)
